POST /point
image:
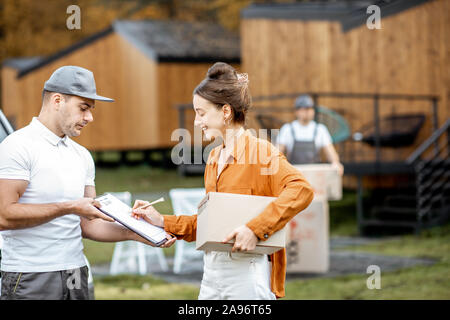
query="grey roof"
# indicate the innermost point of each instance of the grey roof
(162, 41)
(21, 63)
(303, 11)
(177, 40)
(350, 14)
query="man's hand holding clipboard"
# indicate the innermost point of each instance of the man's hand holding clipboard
(149, 233)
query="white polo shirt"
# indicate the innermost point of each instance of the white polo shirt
(57, 169)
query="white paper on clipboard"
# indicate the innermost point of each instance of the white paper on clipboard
(121, 212)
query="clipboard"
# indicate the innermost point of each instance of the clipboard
(121, 212)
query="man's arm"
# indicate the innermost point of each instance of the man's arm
(15, 215)
(333, 157)
(103, 231)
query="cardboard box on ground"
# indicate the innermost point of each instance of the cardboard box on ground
(307, 247)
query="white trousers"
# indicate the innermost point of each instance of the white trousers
(235, 276)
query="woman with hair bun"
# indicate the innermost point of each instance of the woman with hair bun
(221, 102)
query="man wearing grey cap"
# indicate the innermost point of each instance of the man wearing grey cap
(303, 139)
(47, 195)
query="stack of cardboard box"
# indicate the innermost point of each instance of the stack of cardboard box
(307, 247)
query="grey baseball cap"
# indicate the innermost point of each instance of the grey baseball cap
(76, 81)
(304, 101)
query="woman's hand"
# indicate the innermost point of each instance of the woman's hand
(245, 240)
(150, 214)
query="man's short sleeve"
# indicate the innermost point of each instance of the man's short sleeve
(323, 138)
(90, 172)
(14, 160)
(285, 137)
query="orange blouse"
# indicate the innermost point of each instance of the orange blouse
(258, 169)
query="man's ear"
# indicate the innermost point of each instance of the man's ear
(55, 100)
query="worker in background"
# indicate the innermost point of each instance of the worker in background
(303, 139)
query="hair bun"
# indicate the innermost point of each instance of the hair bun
(223, 85)
(221, 71)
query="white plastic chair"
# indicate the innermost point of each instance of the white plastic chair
(131, 256)
(185, 202)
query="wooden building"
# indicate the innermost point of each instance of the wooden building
(146, 66)
(327, 47)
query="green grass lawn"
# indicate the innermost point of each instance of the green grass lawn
(141, 179)
(421, 282)
(134, 287)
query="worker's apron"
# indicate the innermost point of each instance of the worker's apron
(304, 152)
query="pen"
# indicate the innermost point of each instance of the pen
(151, 203)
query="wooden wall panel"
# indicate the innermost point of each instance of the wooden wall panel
(137, 97)
(176, 82)
(10, 97)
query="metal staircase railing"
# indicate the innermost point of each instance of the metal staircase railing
(433, 177)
